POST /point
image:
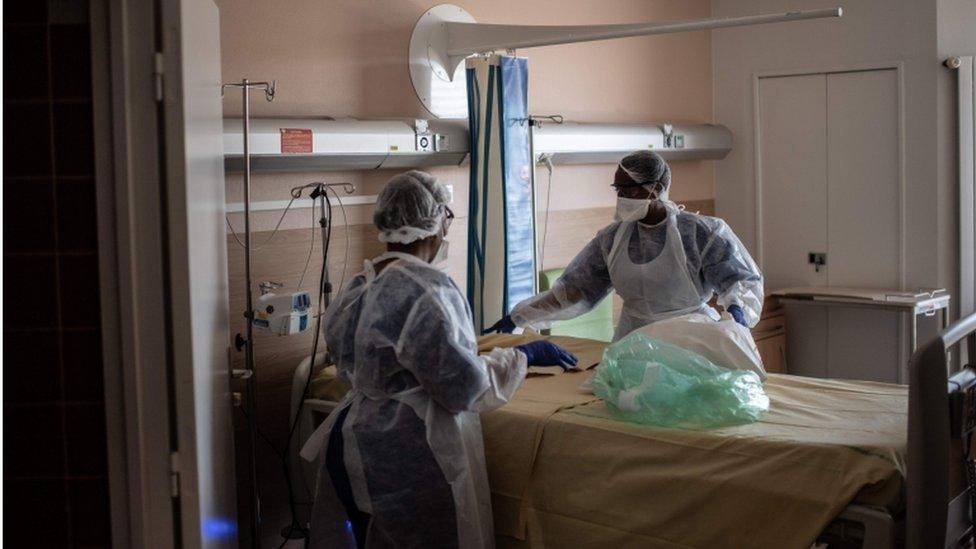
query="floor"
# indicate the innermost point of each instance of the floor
(277, 516)
(275, 511)
(276, 519)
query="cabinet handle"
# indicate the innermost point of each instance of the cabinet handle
(817, 259)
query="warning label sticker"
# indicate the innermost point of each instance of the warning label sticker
(296, 140)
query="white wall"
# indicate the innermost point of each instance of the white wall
(956, 36)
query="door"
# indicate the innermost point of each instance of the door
(829, 183)
(198, 267)
(863, 226)
(793, 205)
(862, 179)
(793, 147)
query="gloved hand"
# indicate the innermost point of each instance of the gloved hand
(544, 353)
(738, 314)
(503, 326)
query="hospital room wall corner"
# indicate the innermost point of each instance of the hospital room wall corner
(917, 204)
(955, 38)
(56, 490)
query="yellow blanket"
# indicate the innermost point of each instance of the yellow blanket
(565, 473)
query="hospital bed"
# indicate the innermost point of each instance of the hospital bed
(846, 463)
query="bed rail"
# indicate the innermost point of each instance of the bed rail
(303, 482)
(938, 512)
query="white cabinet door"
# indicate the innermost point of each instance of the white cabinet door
(793, 177)
(862, 179)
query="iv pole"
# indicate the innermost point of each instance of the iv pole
(248, 342)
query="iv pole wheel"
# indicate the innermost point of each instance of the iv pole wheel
(441, 95)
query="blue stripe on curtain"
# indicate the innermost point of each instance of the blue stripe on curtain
(517, 170)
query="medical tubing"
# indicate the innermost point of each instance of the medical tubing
(308, 257)
(545, 227)
(345, 225)
(264, 437)
(274, 231)
(326, 222)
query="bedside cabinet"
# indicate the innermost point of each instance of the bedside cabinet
(770, 336)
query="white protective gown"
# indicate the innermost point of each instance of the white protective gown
(661, 271)
(405, 343)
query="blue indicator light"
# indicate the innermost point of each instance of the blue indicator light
(219, 528)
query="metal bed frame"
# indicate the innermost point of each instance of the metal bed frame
(938, 510)
(303, 483)
(937, 497)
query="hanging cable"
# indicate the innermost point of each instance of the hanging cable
(262, 434)
(345, 229)
(273, 232)
(308, 257)
(547, 160)
(296, 193)
(326, 224)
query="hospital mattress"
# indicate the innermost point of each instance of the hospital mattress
(565, 473)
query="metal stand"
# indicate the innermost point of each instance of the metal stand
(535, 122)
(248, 374)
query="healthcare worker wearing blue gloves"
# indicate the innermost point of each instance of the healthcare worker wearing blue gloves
(404, 458)
(663, 261)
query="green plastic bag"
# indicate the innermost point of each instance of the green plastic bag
(653, 382)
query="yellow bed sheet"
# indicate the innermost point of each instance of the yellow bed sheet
(565, 473)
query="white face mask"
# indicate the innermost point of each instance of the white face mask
(631, 209)
(441, 256)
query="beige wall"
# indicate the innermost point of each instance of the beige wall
(347, 58)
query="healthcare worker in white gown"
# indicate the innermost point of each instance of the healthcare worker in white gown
(404, 462)
(662, 261)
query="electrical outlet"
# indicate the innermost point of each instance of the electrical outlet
(450, 193)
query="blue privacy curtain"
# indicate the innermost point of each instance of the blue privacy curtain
(501, 226)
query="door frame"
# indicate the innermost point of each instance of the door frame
(132, 274)
(898, 66)
(198, 279)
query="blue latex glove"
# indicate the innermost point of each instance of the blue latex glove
(503, 326)
(544, 353)
(738, 314)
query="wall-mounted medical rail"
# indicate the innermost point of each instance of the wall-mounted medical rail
(350, 144)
